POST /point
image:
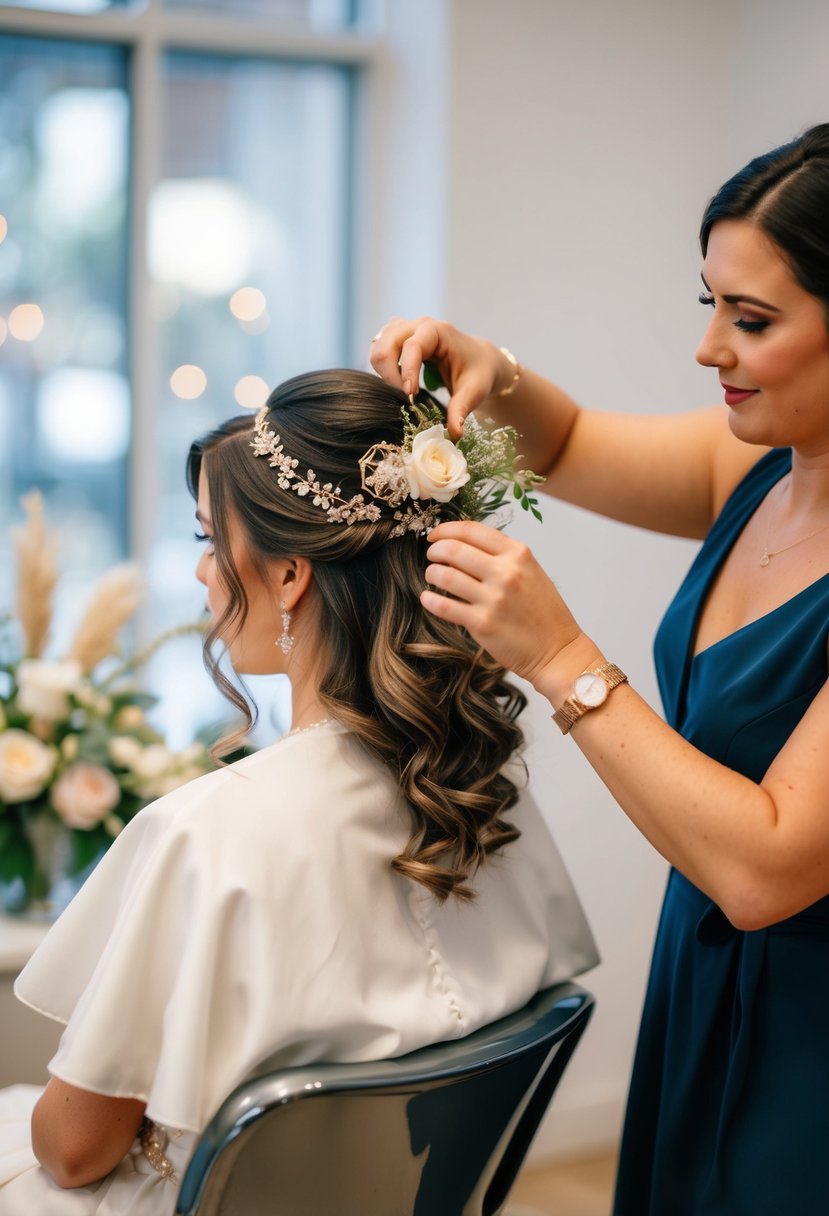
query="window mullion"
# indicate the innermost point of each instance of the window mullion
(145, 488)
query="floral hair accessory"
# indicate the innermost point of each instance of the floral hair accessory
(430, 474)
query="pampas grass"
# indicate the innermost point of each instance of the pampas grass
(37, 573)
(114, 600)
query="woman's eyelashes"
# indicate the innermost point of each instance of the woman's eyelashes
(203, 538)
(742, 323)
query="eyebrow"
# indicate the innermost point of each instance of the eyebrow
(743, 299)
(203, 520)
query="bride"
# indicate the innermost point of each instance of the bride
(375, 881)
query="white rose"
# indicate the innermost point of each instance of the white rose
(152, 761)
(434, 467)
(44, 687)
(26, 765)
(124, 750)
(84, 794)
(176, 778)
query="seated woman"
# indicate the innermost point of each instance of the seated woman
(373, 882)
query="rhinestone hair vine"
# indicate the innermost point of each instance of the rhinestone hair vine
(425, 478)
(382, 475)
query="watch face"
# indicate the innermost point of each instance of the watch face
(591, 690)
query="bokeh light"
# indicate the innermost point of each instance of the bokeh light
(248, 303)
(200, 235)
(251, 392)
(4, 227)
(188, 381)
(4, 329)
(25, 322)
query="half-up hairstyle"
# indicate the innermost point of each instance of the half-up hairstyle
(418, 692)
(785, 193)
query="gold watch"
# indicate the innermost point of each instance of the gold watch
(590, 690)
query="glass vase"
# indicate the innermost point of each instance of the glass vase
(55, 881)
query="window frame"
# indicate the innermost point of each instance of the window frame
(146, 33)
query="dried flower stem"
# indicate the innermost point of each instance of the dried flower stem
(144, 656)
(37, 574)
(113, 601)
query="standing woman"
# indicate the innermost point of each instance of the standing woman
(727, 1107)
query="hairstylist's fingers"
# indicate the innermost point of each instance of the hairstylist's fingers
(447, 609)
(401, 347)
(384, 351)
(471, 532)
(506, 586)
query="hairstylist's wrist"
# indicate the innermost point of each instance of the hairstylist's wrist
(507, 373)
(555, 679)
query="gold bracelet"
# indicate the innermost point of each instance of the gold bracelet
(516, 367)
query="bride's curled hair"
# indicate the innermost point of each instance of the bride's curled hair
(418, 692)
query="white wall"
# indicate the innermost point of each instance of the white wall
(584, 141)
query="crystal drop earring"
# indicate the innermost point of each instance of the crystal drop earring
(285, 641)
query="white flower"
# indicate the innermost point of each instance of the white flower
(152, 761)
(84, 794)
(124, 750)
(26, 765)
(175, 779)
(44, 687)
(434, 467)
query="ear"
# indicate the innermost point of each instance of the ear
(292, 578)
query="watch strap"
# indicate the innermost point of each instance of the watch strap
(572, 708)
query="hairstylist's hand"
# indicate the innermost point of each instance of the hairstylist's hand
(471, 368)
(499, 593)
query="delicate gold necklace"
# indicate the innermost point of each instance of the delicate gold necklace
(768, 554)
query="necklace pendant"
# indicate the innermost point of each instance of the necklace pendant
(765, 559)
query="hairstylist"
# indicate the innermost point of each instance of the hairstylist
(727, 1107)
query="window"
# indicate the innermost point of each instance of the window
(64, 394)
(176, 194)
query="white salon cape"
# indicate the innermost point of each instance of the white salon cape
(255, 910)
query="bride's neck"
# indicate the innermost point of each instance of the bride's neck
(306, 706)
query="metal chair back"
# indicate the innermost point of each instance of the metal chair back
(440, 1132)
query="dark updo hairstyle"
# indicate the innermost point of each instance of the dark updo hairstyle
(786, 194)
(418, 692)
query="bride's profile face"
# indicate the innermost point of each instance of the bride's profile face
(252, 650)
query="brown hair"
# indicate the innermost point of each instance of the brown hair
(785, 192)
(418, 692)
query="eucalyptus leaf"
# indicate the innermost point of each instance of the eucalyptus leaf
(88, 848)
(432, 378)
(17, 858)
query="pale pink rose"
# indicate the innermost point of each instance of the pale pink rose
(84, 794)
(434, 467)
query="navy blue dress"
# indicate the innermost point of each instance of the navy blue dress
(728, 1111)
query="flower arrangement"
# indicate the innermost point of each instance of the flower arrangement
(475, 474)
(78, 757)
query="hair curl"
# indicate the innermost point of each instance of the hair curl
(418, 692)
(785, 192)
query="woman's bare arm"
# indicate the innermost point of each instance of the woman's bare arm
(669, 474)
(760, 851)
(78, 1136)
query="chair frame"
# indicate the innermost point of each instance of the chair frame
(541, 1036)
